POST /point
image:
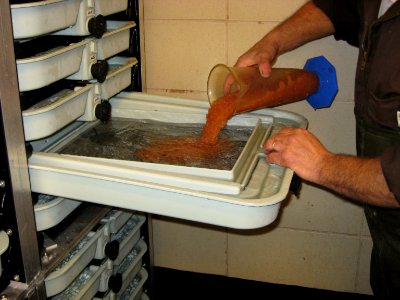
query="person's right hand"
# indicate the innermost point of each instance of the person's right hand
(263, 55)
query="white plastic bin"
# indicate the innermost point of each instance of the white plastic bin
(44, 68)
(109, 7)
(55, 112)
(115, 39)
(41, 17)
(118, 77)
(67, 271)
(51, 210)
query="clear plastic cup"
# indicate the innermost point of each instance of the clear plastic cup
(252, 91)
(223, 80)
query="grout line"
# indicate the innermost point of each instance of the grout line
(226, 31)
(226, 252)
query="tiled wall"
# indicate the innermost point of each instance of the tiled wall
(319, 239)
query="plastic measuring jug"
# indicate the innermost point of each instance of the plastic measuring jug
(252, 91)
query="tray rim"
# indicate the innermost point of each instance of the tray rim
(132, 193)
(34, 4)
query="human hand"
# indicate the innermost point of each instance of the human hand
(263, 54)
(298, 150)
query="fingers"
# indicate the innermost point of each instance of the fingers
(281, 149)
(246, 60)
(263, 54)
(228, 84)
(265, 69)
(270, 146)
(274, 153)
(278, 141)
(299, 150)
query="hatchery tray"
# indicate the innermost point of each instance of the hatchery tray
(250, 199)
(121, 139)
(37, 18)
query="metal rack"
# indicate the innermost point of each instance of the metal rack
(26, 261)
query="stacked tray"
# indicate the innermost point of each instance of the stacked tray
(42, 17)
(4, 243)
(78, 276)
(188, 194)
(50, 211)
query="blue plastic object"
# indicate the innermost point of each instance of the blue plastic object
(328, 86)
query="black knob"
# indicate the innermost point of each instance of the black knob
(99, 70)
(40, 240)
(103, 111)
(295, 185)
(35, 198)
(97, 26)
(28, 149)
(115, 283)
(112, 250)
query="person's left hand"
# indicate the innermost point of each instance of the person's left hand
(298, 150)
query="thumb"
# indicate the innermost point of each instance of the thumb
(265, 69)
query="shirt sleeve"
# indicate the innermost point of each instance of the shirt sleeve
(390, 163)
(345, 17)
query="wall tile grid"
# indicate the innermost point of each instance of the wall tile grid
(319, 240)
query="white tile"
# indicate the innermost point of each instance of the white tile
(242, 36)
(334, 126)
(364, 228)
(180, 54)
(187, 10)
(322, 211)
(295, 257)
(261, 10)
(180, 94)
(363, 285)
(189, 246)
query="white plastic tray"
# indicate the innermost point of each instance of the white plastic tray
(115, 39)
(121, 186)
(48, 67)
(80, 28)
(144, 297)
(134, 291)
(204, 179)
(131, 265)
(230, 182)
(4, 242)
(109, 7)
(53, 212)
(118, 77)
(88, 60)
(52, 114)
(115, 219)
(87, 284)
(42, 17)
(67, 271)
(128, 236)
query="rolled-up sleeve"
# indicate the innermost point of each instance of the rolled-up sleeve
(390, 163)
(344, 16)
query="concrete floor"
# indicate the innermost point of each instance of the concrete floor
(174, 284)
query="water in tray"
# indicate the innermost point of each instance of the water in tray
(127, 139)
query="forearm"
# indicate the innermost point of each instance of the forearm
(307, 24)
(360, 179)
